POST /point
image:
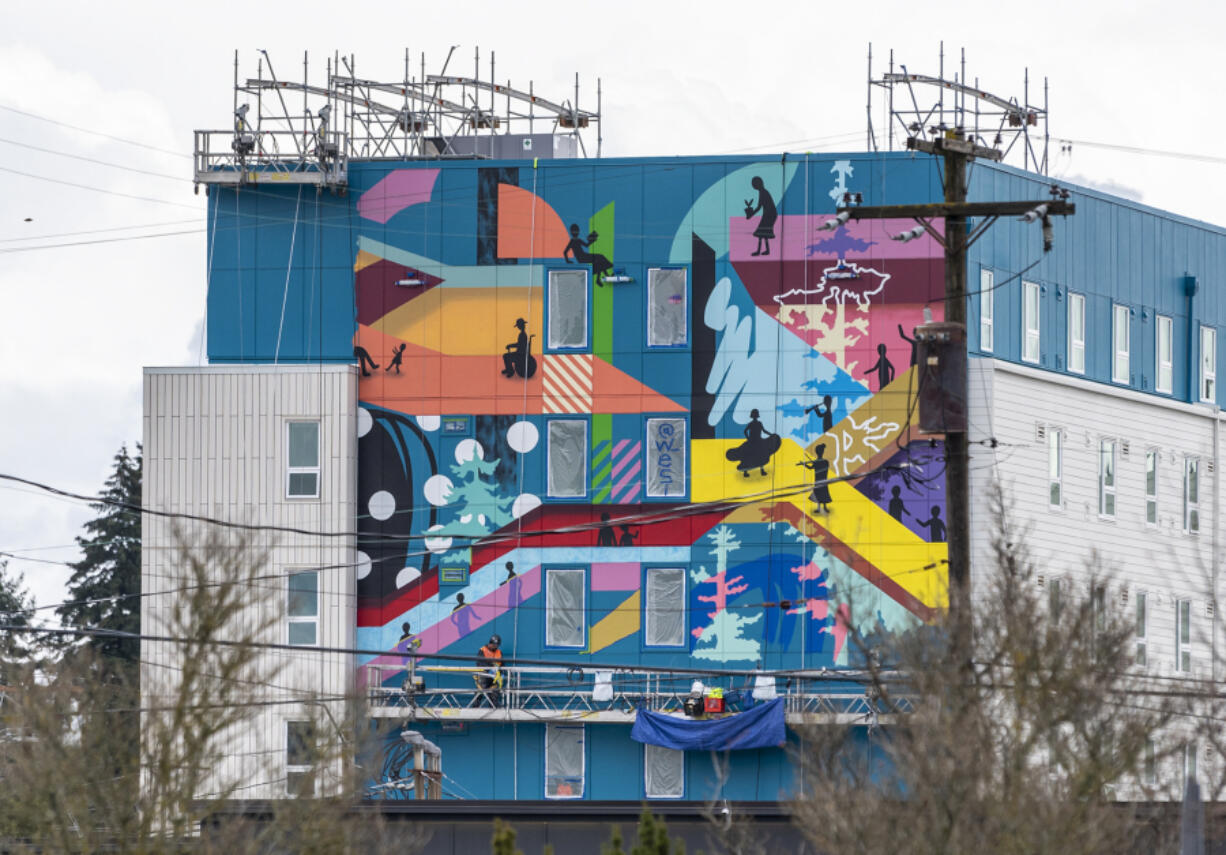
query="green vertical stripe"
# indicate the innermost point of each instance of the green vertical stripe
(602, 303)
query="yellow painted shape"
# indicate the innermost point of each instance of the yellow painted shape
(871, 428)
(616, 625)
(853, 519)
(365, 259)
(467, 321)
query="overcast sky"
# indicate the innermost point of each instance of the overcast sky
(77, 323)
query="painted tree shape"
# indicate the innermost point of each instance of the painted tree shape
(828, 329)
(478, 507)
(725, 637)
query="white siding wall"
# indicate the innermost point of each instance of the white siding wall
(215, 445)
(1010, 402)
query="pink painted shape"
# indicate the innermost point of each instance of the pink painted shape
(619, 465)
(615, 577)
(795, 233)
(808, 572)
(629, 497)
(399, 189)
(620, 491)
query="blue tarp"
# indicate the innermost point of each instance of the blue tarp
(760, 727)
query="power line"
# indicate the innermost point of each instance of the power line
(93, 132)
(11, 250)
(96, 189)
(82, 157)
(1132, 149)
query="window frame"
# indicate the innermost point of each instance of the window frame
(647, 783)
(1055, 481)
(292, 620)
(1149, 763)
(299, 769)
(987, 310)
(1077, 343)
(550, 729)
(1035, 332)
(1184, 649)
(1055, 598)
(1191, 505)
(1153, 458)
(549, 571)
(1208, 368)
(683, 345)
(648, 418)
(1107, 491)
(316, 470)
(1121, 322)
(1166, 364)
(1141, 629)
(682, 642)
(1190, 765)
(586, 346)
(587, 459)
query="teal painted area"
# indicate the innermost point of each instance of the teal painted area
(708, 218)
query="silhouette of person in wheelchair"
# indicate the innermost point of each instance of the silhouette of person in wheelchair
(518, 359)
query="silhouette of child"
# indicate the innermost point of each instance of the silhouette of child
(397, 356)
(885, 371)
(627, 539)
(897, 508)
(935, 526)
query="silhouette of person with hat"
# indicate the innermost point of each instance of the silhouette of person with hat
(517, 359)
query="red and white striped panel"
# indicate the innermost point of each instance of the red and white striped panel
(568, 383)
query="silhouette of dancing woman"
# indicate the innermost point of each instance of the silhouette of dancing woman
(757, 449)
(766, 226)
(397, 355)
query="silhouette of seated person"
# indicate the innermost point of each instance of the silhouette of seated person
(576, 251)
(935, 525)
(757, 449)
(518, 359)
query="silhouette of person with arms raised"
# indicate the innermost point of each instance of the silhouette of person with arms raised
(627, 539)
(576, 251)
(821, 474)
(606, 535)
(825, 410)
(397, 356)
(518, 358)
(896, 507)
(363, 358)
(885, 371)
(757, 449)
(510, 572)
(765, 231)
(914, 344)
(935, 526)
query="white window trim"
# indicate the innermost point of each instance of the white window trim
(291, 620)
(682, 450)
(1076, 343)
(1188, 504)
(987, 311)
(551, 729)
(1182, 647)
(1152, 498)
(1029, 333)
(648, 749)
(1103, 489)
(586, 463)
(647, 608)
(1208, 373)
(1168, 363)
(1141, 630)
(586, 345)
(304, 470)
(1121, 320)
(295, 769)
(685, 315)
(549, 571)
(1055, 435)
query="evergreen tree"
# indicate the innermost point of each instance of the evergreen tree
(105, 585)
(15, 606)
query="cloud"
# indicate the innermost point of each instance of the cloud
(1106, 185)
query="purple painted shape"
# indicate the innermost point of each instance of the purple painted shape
(797, 232)
(399, 189)
(615, 577)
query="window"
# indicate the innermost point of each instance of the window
(1183, 635)
(299, 758)
(302, 608)
(666, 448)
(568, 309)
(1189, 761)
(1150, 773)
(663, 772)
(1055, 466)
(667, 313)
(987, 310)
(1142, 630)
(1191, 495)
(1208, 364)
(1106, 478)
(564, 761)
(1098, 606)
(1030, 322)
(1164, 371)
(302, 473)
(1151, 487)
(1077, 333)
(567, 458)
(1120, 343)
(565, 593)
(664, 607)
(1054, 603)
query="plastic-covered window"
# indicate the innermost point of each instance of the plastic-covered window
(564, 607)
(568, 308)
(667, 313)
(666, 458)
(567, 458)
(564, 772)
(665, 606)
(663, 772)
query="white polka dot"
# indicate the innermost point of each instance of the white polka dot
(363, 565)
(437, 489)
(365, 422)
(523, 436)
(467, 450)
(406, 575)
(524, 503)
(437, 544)
(382, 505)
(429, 423)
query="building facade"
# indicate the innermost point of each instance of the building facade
(651, 421)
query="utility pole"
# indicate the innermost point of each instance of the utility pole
(957, 151)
